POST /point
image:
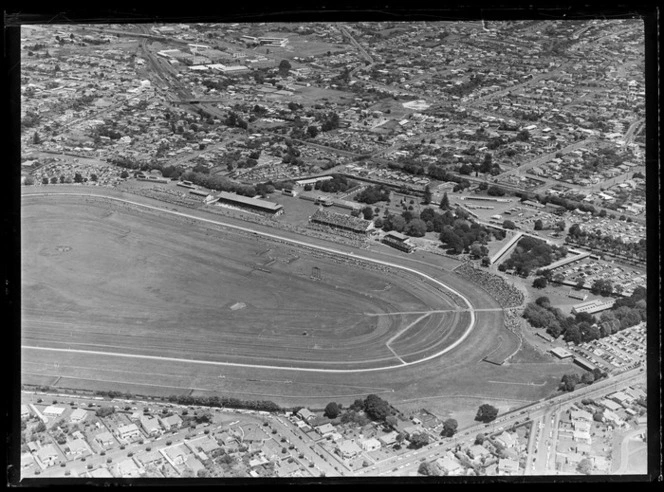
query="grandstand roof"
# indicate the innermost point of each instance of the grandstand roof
(252, 202)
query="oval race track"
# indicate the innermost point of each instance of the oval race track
(418, 357)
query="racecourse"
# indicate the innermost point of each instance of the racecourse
(113, 290)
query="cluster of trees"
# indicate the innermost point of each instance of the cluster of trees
(569, 381)
(530, 255)
(486, 413)
(466, 236)
(235, 120)
(332, 410)
(219, 183)
(225, 401)
(584, 327)
(375, 408)
(598, 240)
(338, 183)
(330, 122)
(449, 428)
(373, 194)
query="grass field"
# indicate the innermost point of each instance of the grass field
(114, 295)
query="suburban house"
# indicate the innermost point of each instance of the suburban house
(325, 429)
(172, 422)
(508, 467)
(150, 425)
(78, 415)
(105, 439)
(176, 455)
(348, 449)
(371, 444)
(128, 431)
(47, 455)
(53, 411)
(154, 458)
(78, 447)
(201, 446)
(128, 469)
(389, 438)
(305, 413)
(450, 466)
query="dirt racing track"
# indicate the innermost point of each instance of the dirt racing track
(117, 287)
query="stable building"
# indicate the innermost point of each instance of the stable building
(252, 204)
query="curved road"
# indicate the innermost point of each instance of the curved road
(280, 238)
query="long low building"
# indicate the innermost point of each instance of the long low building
(593, 306)
(506, 247)
(253, 204)
(565, 261)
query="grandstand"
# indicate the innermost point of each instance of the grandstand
(398, 241)
(341, 221)
(253, 204)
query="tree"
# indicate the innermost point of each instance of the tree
(36, 139)
(284, 67)
(427, 195)
(124, 174)
(444, 202)
(428, 469)
(367, 212)
(540, 282)
(416, 228)
(45, 180)
(588, 378)
(54, 180)
(585, 466)
(508, 224)
(376, 408)
(332, 410)
(569, 381)
(573, 334)
(539, 225)
(312, 131)
(495, 191)
(449, 428)
(418, 440)
(78, 178)
(486, 413)
(602, 286)
(93, 177)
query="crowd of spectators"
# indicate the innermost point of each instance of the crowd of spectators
(169, 196)
(505, 293)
